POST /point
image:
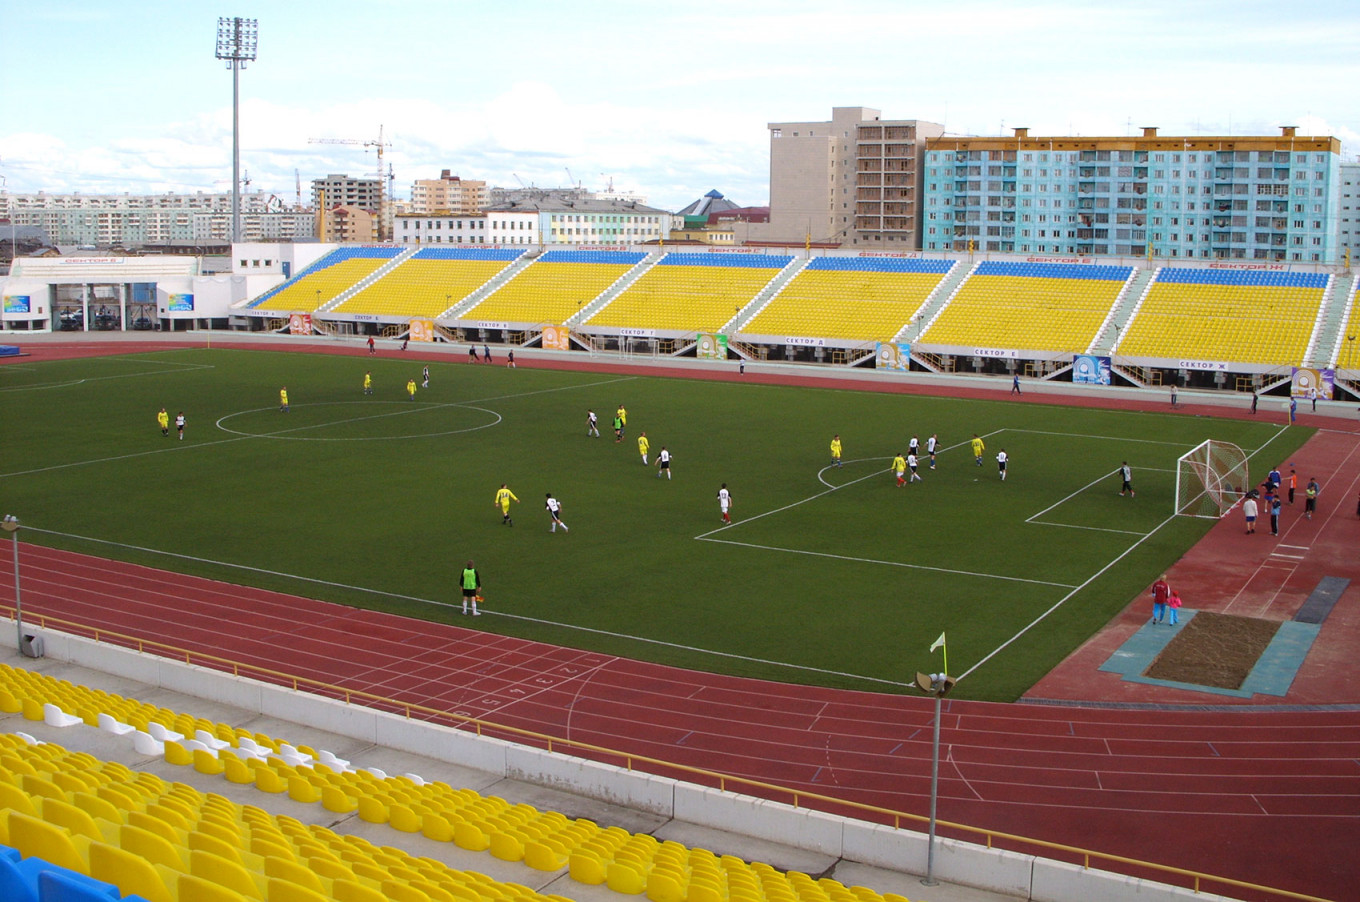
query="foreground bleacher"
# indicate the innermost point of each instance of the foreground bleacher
(164, 839)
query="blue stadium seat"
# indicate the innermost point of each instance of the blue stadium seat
(63, 886)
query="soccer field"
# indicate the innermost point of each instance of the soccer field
(828, 575)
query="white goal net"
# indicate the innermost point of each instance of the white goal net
(1211, 479)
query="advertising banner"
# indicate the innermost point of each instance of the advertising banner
(300, 324)
(556, 338)
(180, 303)
(710, 346)
(420, 330)
(889, 356)
(1307, 382)
(17, 303)
(1088, 369)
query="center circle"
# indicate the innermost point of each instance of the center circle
(301, 420)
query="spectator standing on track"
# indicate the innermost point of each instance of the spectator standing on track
(503, 498)
(1126, 476)
(486, 353)
(1173, 604)
(163, 420)
(1293, 484)
(1274, 479)
(1175, 398)
(1161, 592)
(471, 582)
(371, 349)
(1249, 511)
(1293, 410)
(1312, 396)
(510, 360)
(1310, 495)
(1275, 515)
(1255, 399)
(1015, 384)
(472, 353)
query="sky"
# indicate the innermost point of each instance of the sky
(666, 100)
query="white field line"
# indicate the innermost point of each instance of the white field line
(488, 611)
(241, 437)
(181, 367)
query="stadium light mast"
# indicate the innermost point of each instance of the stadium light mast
(236, 41)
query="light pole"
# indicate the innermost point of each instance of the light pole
(236, 42)
(11, 526)
(938, 685)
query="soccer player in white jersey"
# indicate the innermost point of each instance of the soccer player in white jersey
(555, 513)
(725, 503)
(912, 462)
(663, 463)
(1001, 463)
(932, 444)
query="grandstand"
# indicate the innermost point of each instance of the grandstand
(1053, 308)
(430, 282)
(1225, 315)
(854, 298)
(325, 279)
(689, 293)
(556, 287)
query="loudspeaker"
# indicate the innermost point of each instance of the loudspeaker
(32, 646)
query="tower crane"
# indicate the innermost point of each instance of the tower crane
(384, 215)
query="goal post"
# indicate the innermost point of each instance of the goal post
(1210, 479)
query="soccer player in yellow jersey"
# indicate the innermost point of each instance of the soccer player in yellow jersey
(368, 383)
(283, 399)
(503, 498)
(643, 445)
(163, 419)
(411, 388)
(836, 450)
(622, 415)
(899, 466)
(978, 448)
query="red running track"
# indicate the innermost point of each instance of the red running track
(1265, 795)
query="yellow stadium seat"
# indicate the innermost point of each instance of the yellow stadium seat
(302, 790)
(283, 890)
(198, 889)
(132, 874)
(205, 762)
(354, 891)
(53, 844)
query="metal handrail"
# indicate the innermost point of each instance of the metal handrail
(797, 797)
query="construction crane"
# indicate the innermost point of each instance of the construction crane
(384, 219)
(297, 174)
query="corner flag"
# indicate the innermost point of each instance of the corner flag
(939, 643)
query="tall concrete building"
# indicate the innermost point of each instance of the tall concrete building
(448, 195)
(341, 190)
(854, 180)
(1271, 197)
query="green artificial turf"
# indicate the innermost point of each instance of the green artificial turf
(378, 501)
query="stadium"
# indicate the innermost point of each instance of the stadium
(614, 725)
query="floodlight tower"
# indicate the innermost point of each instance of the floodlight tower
(236, 40)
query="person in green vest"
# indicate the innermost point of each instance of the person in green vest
(472, 585)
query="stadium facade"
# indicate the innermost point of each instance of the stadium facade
(1273, 198)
